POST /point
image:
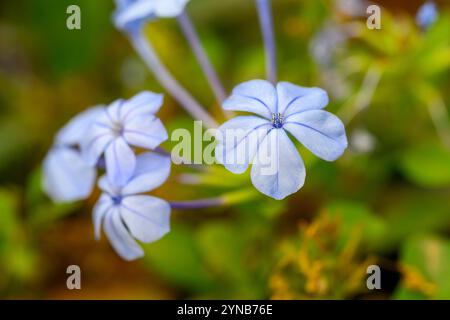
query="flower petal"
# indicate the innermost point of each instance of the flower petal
(130, 15)
(238, 140)
(152, 170)
(319, 131)
(101, 208)
(114, 112)
(145, 131)
(256, 96)
(108, 188)
(97, 138)
(170, 8)
(120, 162)
(147, 218)
(143, 103)
(67, 177)
(294, 99)
(73, 132)
(119, 236)
(278, 170)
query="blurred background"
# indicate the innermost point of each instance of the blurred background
(385, 202)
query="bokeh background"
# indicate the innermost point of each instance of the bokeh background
(385, 202)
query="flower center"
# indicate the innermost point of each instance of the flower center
(117, 129)
(117, 200)
(277, 120)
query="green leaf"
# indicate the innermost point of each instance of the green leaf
(8, 216)
(354, 216)
(222, 247)
(430, 256)
(427, 165)
(67, 50)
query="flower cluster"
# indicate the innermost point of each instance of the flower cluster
(102, 138)
(107, 138)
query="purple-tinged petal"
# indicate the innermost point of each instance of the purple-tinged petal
(120, 162)
(255, 96)
(427, 14)
(294, 99)
(105, 185)
(145, 131)
(114, 112)
(238, 140)
(73, 132)
(97, 138)
(130, 16)
(143, 103)
(170, 8)
(319, 131)
(119, 237)
(67, 177)
(152, 170)
(147, 218)
(101, 209)
(278, 169)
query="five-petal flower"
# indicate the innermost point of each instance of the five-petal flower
(127, 215)
(121, 125)
(262, 140)
(66, 175)
(132, 14)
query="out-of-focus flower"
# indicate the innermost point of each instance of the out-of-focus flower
(67, 177)
(362, 141)
(352, 8)
(126, 214)
(123, 124)
(427, 14)
(319, 263)
(278, 169)
(327, 41)
(132, 14)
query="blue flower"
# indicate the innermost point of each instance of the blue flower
(123, 124)
(66, 175)
(132, 14)
(262, 140)
(427, 14)
(126, 214)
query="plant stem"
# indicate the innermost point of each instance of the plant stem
(266, 23)
(148, 54)
(194, 41)
(196, 204)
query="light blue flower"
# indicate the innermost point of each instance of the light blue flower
(132, 14)
(427, 14)
(66, 175)
(126, 214)
(262, 140)
(123, 124)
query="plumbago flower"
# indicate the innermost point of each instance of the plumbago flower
(427, 14)
(123, 124)
(262, 140)
(127, 215)
(67, 176)
(132, 14)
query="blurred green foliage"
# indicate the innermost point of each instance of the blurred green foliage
(385, 201)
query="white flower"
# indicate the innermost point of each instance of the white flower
(262, 140)
(127, 215)
(132, 14)
(67, 176)
(123, 124)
